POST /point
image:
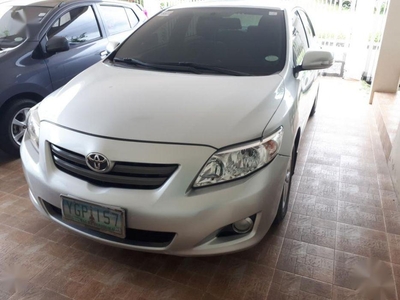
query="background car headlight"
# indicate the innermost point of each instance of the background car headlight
(33, 126)
(238, 162)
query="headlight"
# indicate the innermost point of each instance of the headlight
(33, 126)
(238, 162)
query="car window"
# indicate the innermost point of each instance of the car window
(248, 40)
(247, 20)
(78, 26)
(115, 19)
(308, 28)
(300, 45)
(14, 22)
(133, 19)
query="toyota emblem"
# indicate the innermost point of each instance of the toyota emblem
(98, 162)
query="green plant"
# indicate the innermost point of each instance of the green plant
(346, 4)
(79, 39)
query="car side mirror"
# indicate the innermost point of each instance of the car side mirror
(315, 60)
(111, 46)
(57, 44)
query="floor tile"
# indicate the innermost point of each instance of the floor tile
(362, 241)
(340, 239)
(312, 230)
(360, 215)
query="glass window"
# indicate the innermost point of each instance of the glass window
(14, 23)
(248, 40)
(133, 19)
(247, 20)
(78, 26)
(299, 41)
(115, 18)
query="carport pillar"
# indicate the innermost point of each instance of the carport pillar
(387, 73)
(358, 50)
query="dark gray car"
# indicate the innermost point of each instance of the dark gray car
(45, 44)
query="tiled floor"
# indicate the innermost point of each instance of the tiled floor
(340, 240)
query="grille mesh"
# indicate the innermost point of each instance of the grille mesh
(122, 175)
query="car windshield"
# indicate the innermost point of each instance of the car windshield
(13, 22)
(247, 41)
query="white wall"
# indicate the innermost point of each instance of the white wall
(387, 74)
(394, 163)
(386, 78)
(152, 7)
(362, 27)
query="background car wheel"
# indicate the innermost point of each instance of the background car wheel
(284, 203)
(13, 125)
(314, 108)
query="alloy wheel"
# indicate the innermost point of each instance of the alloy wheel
(18, 125)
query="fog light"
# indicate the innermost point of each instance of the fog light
(243, 226)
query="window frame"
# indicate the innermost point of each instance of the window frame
(135, 14)
(104, 21)
(310, 25)
(296, 16)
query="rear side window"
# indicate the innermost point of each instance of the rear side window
(115, 19)
(133, 19)
(79, 25)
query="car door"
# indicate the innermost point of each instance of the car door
(80, 26)
(119, 21)
(305, 79)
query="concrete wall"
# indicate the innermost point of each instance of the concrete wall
(387, 74)
(394, 163)
(386, 79)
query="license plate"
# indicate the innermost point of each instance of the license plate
(104, 219)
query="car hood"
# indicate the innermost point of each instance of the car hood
(156, 106)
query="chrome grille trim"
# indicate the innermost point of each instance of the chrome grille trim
(122, 175)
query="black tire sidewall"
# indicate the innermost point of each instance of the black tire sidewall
(7, 143)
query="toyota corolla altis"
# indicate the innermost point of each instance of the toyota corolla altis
(184, 139)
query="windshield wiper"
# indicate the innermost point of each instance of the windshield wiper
(131, 61)
(208, 68)
(135, 62)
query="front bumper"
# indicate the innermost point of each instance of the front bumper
(194, 216)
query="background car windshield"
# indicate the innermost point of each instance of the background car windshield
(241, 39)
(13, 22)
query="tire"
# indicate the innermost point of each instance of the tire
(314, 108)
(285, 196)
(13, 125)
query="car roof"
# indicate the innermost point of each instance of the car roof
(279, 5)
(54, 3)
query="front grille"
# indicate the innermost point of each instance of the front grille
(122, 175)
(135, 237)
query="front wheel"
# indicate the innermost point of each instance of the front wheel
(13, 125)
(284, 203)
